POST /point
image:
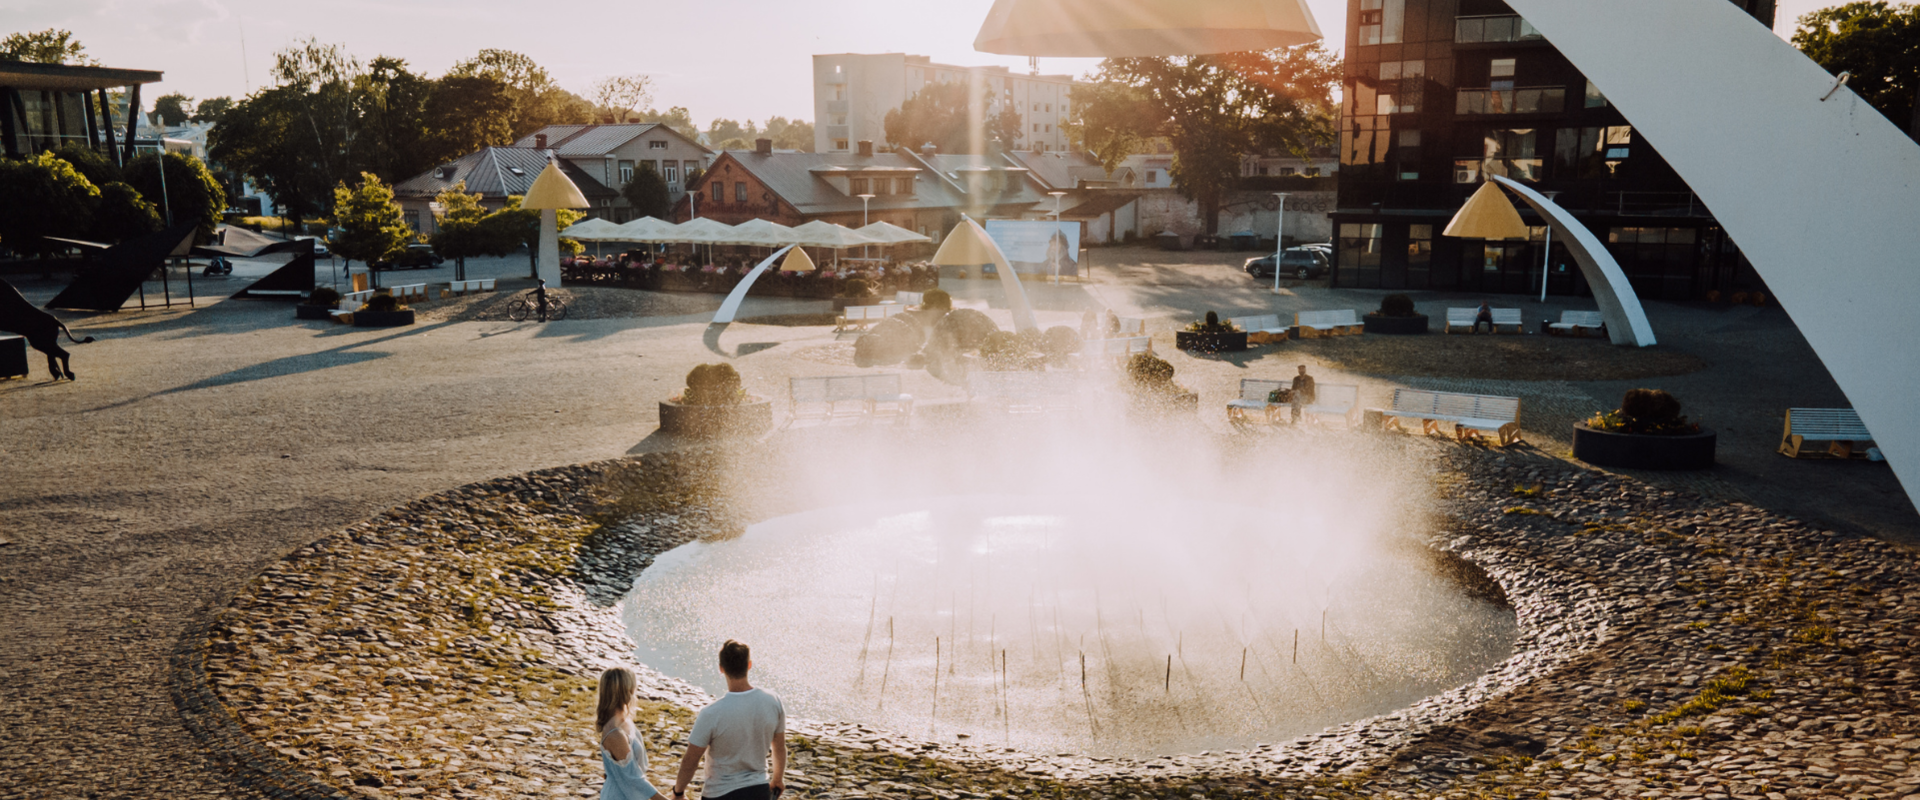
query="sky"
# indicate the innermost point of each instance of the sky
(746, 59)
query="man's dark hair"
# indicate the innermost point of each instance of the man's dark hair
(734, 656)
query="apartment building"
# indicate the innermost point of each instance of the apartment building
(852, 93)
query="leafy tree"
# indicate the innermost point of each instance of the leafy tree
(122, 214)
(43, 196)
(723, 130)
(325, 75)
(790, 134)
(617, 97)
(171, 109)
(734, 144)
(537, 100)
(191, 190)
(1106, 120)
(389, 115)
(266, 138)
(1879, 43)
(97, 169)
(1213, 109)
(677, 118)
(692, 177)
(648, 194)
(212, 109)
(517, 227)
(466, 113)
(459, 234)
(940, 114)
(51, 46)
(371, 227)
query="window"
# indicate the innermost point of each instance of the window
(516, 170)
(840, 92)
(1419, 253)
(1260, 170)
(740, 191)
(656, 144)
(719, 192)
(691, 166)
(626, 172)
(1594, 98)
(1592, 152)
(1510, 100)
(1311, 172)
(1049, 108)
(903, 186)
(1501, 68)
(1153, 176)
(673, 176)
(1359, 248)
(1036, 127)
(1036, 106)
(1286, 171)
(1407, 155)
(857, 186)
(839, 119)
(1049, 127)
(1474, 30)
(1381, 21)
(1512, 153)
(1400, 87)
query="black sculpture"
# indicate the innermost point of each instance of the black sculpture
(41, 329)
(115, 274)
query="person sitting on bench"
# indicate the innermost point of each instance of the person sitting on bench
(1484, 314)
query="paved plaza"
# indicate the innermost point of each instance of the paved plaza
(201, 444)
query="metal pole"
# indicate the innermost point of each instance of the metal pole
(1546, 262)
(1279, 239)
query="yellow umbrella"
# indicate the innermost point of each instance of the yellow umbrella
(1488, 214)
(550, 191)
(1123, 28)
(797, 261)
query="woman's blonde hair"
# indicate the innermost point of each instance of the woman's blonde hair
(616, 690)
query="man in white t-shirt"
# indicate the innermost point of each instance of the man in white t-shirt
(737, 731)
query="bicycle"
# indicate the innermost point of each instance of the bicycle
(537, 303)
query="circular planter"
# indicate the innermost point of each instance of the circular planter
(751, 418)
(304, 311)
(1210, 342)
(382, 319)
(1640, 451)
(1396, 326)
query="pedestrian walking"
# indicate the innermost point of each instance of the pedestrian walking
(622, 752)
(735, 735)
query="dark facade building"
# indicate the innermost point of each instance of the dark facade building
(1440, 95)
(45, 106)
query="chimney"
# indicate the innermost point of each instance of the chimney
(866, 147)
(928, 149)
(539, 141)
(763, 147)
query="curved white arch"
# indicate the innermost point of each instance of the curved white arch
(739, 294)
(1821, 195)
(1619, 306)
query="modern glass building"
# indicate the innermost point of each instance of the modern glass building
(1440, 95)
(45, 106)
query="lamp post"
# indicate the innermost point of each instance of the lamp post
(1056, 230)
(864, 253)
(1279, 238)
(1546, 258)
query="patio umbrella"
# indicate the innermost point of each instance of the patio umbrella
(594, 229)
(702, 230)
(646, 229)
(819, 233)
(889, 233)
(762, 233)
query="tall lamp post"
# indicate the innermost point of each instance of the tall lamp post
(865, 254)
(1546, 258)
(1279, 238)
(1056, 230)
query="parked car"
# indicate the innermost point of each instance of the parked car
(1299, 262)
(418, 256)
(319, 245)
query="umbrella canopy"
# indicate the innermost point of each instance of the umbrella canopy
(646, 229)
(891, 234)
(1102, 28)
(702, 230)
(762, 233)
(595, 229)
(1488, 214)
(553, 190)
(826, 234)
(797, 261)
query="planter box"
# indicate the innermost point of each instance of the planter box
(1639, 451)
(382, 319)
(750, 418)
(1396, 326)
(304, 311)
(1210, 342)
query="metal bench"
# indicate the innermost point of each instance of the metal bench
(1471, 414)
(1329, 400)
(1260, 329)
(1029, 392)
(1840, 428)
(409, 292)
(475, 285)
(1502, 317)
(910, 298)
(829, 397)
(859, 317)
(1578, 323)
(1131, 327)
(1313, 324)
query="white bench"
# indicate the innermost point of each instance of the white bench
(358, 299)
(1116, 349)
(1312, 324)
(1470, 414)
(910, 298)
(1840, 428)
(408, 291)
(1330, 400)
(859, 317)
(476, 285)
(1502, 317)
(1023, 391)
(1578, 323)
(1129, 328)
(828, 397)
(1261, 329)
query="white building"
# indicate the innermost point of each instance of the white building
(853, 92)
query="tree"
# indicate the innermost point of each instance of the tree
(212, 109)
(171, 109)
(941, 113)
(677, 118)
(466, 113)
(97, 169)
(390, 114)
(790, 134)
(265, 137)
(1880, 44)
(122, 214)
(1106, 120)
(734, 144)
(723, 130)
(191, 190)
(518, 227)
(538, 101)
(459, 234)
(617, 97)
(51, 46)
(325, 75)
(370, 225)
(43, 196)
(648, 194)
(1213, 109)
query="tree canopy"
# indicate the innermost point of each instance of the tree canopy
(1212, 109)
(941, 113)
(191, 191)
(171, 109)
(265, 137)
(789, 134)
(537, 100)
(122, 214)
(648, 194)
(677, 118)
(1879, 43)
(460, 232)
(212, 109)
(51, 46)
(43, 196)
(616, 98)
(369, 222)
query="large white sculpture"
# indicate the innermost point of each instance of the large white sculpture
(1626, 321)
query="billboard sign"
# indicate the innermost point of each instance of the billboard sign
(1038, 247)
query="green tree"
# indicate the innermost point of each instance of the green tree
(516, 227)
(42, 196)
(725, 129)
(1106, 120)
(459, 235)
(677, 118)
(266, 138)
(648, 194)
(466, 113)
(617, 97)
(734, 144)
(191, 190)
(390, 114)
(325, 75)
(537, 100)
(122, 214)
(98, 169)
(171, 109)
(212, 109)
(1213, 109)
(940, 114)
(1879, 43)
(51, 46)
(789, 134)
(370, 225)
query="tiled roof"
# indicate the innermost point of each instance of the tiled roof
(1061, 169)
(799, 179)
(575, 141)
(496, 172)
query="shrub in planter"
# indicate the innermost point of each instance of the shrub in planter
(1151, 390)
(713, 385)
(856, 288)
(1005, 351)
(967, 327)
(1646, 432)
(1060, 342)
(318, 305)
(382, 311)
(1396, 317)
(1211, 335)
(890, 342)
(1396, 305)
(937, 298)
(1211, 324)
(382, 302)
(713, 404)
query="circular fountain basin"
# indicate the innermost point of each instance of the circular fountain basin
(1100, 625)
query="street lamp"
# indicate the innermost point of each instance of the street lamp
(865, 254)
(1279, 238)
(1056, 231)
(1546, 258)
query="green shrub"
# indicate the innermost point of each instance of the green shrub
(856, 287)
(324, 296)
(1212, 324)
(713, 385)
(1003, 351)
(1651, 405)
(1648, 412)
(967, 328)
(889, 343)
(937, 298)
(1148, 371)
(382, 302)
(1060, 341)
(1396, 305)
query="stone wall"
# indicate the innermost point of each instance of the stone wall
(1307, 220)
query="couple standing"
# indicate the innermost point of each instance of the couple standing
(734, 734)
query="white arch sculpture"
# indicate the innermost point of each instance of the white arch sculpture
(731, 306)
(1619, 306)
(1821, 191)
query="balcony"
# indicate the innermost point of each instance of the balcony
(1527, 100)
(1495, 29)
(836, 106)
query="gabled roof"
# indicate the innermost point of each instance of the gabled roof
(496, 172)
(579, 141)
(1065, 169)
(801, 180)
